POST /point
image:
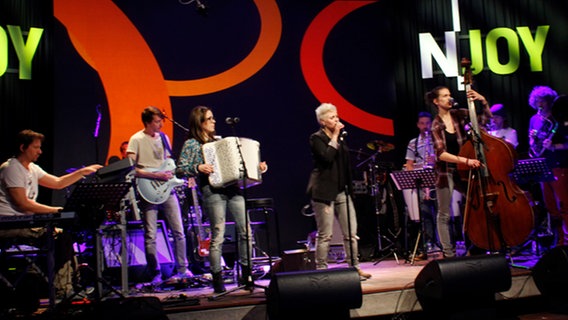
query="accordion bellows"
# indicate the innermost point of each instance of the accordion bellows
(228, 169)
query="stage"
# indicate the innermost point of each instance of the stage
(389, 294)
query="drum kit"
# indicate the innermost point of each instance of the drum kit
(376, 185)
(375, 173)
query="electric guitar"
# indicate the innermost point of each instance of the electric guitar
(203, 238)
(157, 191)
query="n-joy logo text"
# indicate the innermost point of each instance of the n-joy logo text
(448, 63)
(25, 50)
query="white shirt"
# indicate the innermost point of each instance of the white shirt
(149, 151)
(508, 134)
(14, 175)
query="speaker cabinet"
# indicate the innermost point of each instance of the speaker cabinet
(328, 293)
(550, 275)
(136, 253)
(464, 286)
(298, 260)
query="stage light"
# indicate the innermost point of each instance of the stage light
(199, 6)
(462, 287)
(328, 293)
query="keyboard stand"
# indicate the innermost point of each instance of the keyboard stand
(98, 197)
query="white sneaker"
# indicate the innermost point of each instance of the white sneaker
(182, 275)
(157, 280)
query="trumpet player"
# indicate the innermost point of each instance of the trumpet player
(548, 139)
(420, 154)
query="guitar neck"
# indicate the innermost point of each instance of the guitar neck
(198, 213)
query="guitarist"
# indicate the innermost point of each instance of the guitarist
(150, 149)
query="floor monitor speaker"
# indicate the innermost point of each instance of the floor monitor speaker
(550, 275)
(462, 286)
(328, 293)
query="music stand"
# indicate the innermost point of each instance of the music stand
(532, 170)
(415, 179)
(102, 196)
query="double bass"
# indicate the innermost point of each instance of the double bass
(497, 213)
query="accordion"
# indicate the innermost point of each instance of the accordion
(228, 168)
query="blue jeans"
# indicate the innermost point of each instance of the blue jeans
(172, 214)
(216, 201)
(325, 214)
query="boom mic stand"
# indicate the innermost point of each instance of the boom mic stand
(347, 196)
(249, 282)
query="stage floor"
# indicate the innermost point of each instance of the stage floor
(390, 292)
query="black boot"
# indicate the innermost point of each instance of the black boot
(246, 278)
(218, 284)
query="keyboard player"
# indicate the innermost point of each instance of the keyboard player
(20, 178)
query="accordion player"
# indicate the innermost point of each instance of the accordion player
(228, 169)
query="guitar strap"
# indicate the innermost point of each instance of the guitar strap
(166, 145)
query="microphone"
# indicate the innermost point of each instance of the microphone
(342, 135)
(98, 125)
(453, 102)
(232, 120)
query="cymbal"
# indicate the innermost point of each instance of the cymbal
(380, 146)
(359, 152)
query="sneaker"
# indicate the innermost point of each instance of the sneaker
(157, 280)
(181, 276)
(185, 275)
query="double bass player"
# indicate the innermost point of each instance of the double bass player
(448, 135)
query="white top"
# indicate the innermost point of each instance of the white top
(508, 134)
(149, 151)
(14, 175)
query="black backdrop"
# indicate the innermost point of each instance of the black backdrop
(371, 57)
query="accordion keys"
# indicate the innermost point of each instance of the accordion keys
(228, 169)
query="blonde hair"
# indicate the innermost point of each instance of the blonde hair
(323, 109)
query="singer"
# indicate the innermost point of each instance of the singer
(330, 188)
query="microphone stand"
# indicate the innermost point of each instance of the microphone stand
(249, 282)
(175, 122)
(96, 132)
(347, 196)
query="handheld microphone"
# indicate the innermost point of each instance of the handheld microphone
(232, 120)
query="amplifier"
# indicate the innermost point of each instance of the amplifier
(298, 260)
(136, 254)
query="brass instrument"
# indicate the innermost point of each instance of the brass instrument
(428, 157)
(429, 160)
(542, 131)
